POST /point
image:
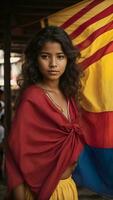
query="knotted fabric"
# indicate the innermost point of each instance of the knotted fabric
(42, 143)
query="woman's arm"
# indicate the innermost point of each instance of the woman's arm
(19, 192)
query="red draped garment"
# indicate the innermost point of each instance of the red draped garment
(42, 143)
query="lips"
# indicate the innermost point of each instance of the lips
(53, 72)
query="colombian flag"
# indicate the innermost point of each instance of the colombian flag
(90, 26)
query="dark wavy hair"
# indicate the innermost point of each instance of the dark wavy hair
(70, 80)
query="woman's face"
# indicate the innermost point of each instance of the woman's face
(52, 61)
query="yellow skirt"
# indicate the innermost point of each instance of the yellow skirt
(28, 194)
(65, 190)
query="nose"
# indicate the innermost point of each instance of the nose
(53, 62)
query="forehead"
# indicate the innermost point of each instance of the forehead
(51, 46)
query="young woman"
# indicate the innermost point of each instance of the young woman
(45, 139)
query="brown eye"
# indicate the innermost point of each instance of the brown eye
(61, 57)
(44, 56)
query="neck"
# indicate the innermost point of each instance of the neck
(50, 85)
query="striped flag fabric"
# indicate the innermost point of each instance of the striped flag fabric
(90, 26)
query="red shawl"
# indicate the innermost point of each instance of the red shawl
(42, 143)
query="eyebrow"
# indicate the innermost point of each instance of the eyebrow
(45, 52)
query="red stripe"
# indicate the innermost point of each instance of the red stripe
(98, 128)
(94, 35)
(97, 55)
(80, 13)
(94, 19)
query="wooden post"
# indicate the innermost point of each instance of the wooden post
(7, 72)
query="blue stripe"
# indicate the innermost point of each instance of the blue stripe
(95, 170)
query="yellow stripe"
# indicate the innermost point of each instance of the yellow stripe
(98, 86)
(100, 42)
(60, 17)
(91, 29)
(93, 12)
